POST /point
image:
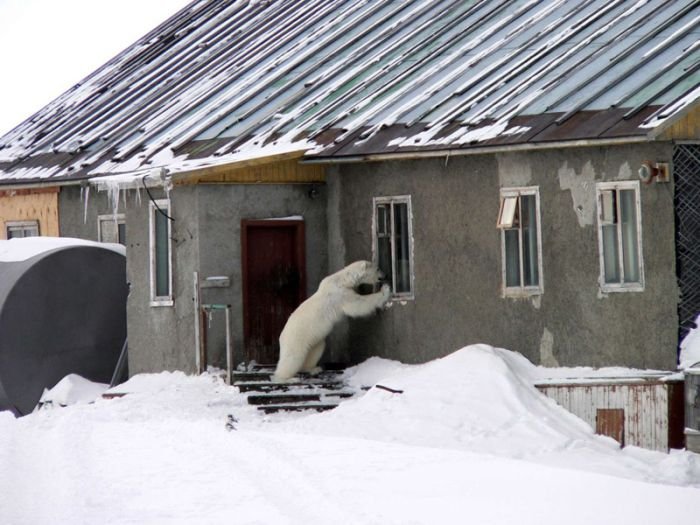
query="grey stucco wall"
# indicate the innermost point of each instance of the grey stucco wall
(75, 218)
(458, 299)
(221, 210)
(206, 238)
(161, 337)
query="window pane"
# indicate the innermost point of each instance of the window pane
(384, 242)
(121, 233)
(628, 228)
(108, 230)
(507, 216)
(384, 258)
(401, 248)
(608, 206)
(23, 230)
(162, 262)
(383, 219)
(610, 260)
(529, 233)
(512, 243)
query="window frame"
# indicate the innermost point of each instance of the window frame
(118, 218)
(23, 225)
(392, 200)
(164, 300)
(520, 291)
(619, 286)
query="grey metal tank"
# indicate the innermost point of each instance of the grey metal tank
(62, 311)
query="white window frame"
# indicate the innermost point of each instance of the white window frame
(118, 218)
(622, 286)
(22, 225)
(506, 196)
(165, 300)
(398, 199)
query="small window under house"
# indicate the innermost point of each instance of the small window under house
(619, 239)
(19, 229)
(518, 220)
(393, 247)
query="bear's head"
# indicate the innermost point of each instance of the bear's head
(360, 272)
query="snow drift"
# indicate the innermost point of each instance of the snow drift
(469, 440)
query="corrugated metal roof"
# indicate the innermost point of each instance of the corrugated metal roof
(223, 78)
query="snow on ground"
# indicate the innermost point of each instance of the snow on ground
(469, 440)
(72, 390)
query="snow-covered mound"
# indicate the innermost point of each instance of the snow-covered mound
(483, 399)
(71, 390)
(478, 398)
(469, 440)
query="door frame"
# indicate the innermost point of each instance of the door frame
(247, 225)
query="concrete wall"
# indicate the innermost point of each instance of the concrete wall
(458, 284)
(221, 209)
(206, 238)
(78, 220)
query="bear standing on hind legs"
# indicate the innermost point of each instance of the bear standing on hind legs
(303, 338)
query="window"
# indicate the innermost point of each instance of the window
(393, 243)
(161, 260)
(518, 220)
(17, 229)
(619, 238)
(111, 228)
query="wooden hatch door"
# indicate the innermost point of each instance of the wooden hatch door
(274, 282)
(611, 422)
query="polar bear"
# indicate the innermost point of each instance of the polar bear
(303, 338)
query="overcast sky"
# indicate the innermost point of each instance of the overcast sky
(46, 46)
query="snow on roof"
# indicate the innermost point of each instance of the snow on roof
(229, 77)
(15, 250)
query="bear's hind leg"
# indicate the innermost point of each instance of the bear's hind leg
(313, 357)
(290, 364)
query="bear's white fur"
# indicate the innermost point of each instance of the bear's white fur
(303, 338)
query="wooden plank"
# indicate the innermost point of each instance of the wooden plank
(611, 422)
(280, 172)
(39, 205)
(686, 128)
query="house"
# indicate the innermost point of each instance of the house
(525, 172)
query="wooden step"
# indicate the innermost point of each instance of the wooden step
(251, 376)
(282, 399)
(295, 407)
(267, 386)
(265, 375)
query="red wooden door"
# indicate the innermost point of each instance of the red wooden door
(274, 283)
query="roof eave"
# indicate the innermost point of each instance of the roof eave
(477, 150)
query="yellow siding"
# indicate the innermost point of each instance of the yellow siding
(30, 205)
(286, 171)
(687, 128)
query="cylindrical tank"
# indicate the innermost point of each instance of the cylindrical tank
(62, 311)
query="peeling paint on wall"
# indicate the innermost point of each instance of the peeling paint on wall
(547, 350)
(625, 172)
(582, 188)
(514, 170)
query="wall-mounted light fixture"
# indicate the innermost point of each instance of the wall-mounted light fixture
(650, 171)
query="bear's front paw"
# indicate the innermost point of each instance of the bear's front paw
(386, 293)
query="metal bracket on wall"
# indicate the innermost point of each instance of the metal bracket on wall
(202, 311)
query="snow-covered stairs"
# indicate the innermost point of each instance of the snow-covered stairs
(319, 393)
